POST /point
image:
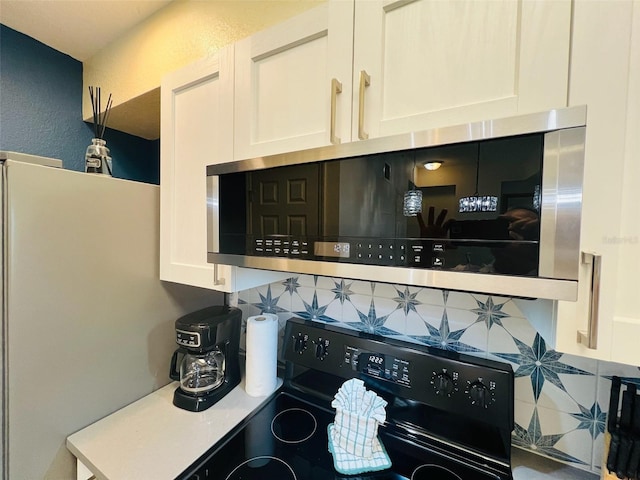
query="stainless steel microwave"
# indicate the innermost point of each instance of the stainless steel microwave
(491, 206)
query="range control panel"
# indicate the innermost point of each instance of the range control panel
(459, 383)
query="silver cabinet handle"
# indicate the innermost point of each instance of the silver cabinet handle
(365, 81)
(590, 337)
(217, 280)
(336, 88)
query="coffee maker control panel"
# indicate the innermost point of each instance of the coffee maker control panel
(188, 339)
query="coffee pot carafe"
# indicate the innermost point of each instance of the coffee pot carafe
(209, 365)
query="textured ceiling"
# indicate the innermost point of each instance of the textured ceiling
(79, 28)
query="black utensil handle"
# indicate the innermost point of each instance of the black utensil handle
(634, 459)
(614, 446)
(614, 399)
(623, 456)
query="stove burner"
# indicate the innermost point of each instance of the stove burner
(262, 467)
(294, 425)
(430, 471)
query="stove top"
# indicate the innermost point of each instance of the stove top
(449, 416)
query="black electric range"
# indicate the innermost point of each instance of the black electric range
(449, 415)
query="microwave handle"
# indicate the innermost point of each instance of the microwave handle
(590, 337)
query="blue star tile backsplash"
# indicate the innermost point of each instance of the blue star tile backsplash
(560, 400)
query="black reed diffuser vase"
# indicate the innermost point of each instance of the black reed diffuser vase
(97, 158)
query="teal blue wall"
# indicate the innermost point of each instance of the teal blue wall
(41, 111)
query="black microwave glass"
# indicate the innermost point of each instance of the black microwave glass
(351, 210)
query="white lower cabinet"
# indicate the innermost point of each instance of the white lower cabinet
(196, 130)
(351, 70)
(605, 75)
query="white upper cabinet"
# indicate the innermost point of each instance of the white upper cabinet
(347, 71)
(605, 75)
(197, 130)
(626, 320)
(433, 63)
(286, 78)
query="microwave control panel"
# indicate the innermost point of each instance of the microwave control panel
(387, 252)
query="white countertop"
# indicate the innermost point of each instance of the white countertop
(151, 438)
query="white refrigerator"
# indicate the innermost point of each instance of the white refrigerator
(87, 326)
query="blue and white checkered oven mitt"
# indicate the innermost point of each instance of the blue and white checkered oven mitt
(353, 437)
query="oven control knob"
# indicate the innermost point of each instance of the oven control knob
(480, 395)
(300, 343)
(322, 348)
(443, 383)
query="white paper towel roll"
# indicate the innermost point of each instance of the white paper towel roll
(262, 355)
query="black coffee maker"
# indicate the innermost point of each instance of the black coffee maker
(209, 341)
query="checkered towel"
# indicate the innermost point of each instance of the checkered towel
(353, 437)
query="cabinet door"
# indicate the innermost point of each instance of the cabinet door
(433, 63)
(196, 129)
(284, 83)
(600, 79)
(626, 327)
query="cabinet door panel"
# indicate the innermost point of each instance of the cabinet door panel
(626, 328)
(283, 83)
(197, 130)
(435, 63)
(276, 114)
(600, 80)
(196, 107)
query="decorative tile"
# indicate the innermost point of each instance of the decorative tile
(269, 298)
(462, 300)
(431, 314)
(307, 280)
(291, 285)
(363, 287)
(431, 296)
(444, 337)
(415, 325)
(406, 299)
(541, 365)
(341, 290)
(521, 434)
(381, 290)
(501, 340)
(371, 317)
(519, 328)
(475, 336)
(489, 311)
(543, 434)
(315, 303)
(358, 302)
(574, 386)
(396, 321)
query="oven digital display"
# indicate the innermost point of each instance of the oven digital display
(385, 367)
(332, 249)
